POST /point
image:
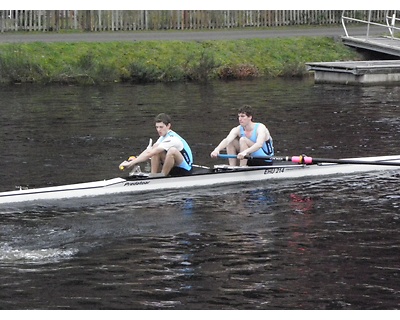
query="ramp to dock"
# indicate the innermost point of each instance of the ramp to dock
(386, 41)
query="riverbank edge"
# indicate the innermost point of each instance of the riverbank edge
(94, 63)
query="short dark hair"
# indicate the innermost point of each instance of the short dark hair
(248, 110)
(163, 117)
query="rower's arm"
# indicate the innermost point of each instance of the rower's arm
(145, 155)
(233, 134)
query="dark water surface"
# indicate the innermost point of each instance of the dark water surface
(330, 243)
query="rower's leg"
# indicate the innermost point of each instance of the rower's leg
(172, 159)
(233, 148)
(156, 162)
(244, 143)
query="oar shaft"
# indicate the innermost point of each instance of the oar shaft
(352, 161)
(233, 156)
(309, 160)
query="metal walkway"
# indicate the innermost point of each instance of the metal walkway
(384, 38)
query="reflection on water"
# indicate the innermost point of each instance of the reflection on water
(327, 243)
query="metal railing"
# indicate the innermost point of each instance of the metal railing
(390, 18)
(391, 23)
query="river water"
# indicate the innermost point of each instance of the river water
(328, 243)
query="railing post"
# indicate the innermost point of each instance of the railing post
(344, 24)
(369, 21)
(393, 24)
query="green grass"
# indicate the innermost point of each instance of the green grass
(165, 61)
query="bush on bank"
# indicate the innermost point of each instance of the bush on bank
(165, 61)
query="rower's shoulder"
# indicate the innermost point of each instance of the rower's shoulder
(237, 128)
(260, 124)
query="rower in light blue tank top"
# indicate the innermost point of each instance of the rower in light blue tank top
(267, 149)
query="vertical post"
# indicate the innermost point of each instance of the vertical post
(16, 21)
(369, 21)
(75, 14)
(393, 24)
(3, 15)
(99, 24)
(344, 25)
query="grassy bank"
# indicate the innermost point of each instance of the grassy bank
(165, 61)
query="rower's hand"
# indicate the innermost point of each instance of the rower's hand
(127, 163)
(124, 165)
(241, 155)
(214, 154)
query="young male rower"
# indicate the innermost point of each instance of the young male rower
(247, 139)
(170, 155)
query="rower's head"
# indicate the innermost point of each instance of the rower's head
(247, 110)
(163, 123)
(245, 114)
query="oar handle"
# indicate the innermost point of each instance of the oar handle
(121, 167)
(227, 156)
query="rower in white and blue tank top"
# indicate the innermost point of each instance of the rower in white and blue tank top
(172, 139)
(267, 149)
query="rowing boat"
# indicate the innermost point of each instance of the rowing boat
(202, 177)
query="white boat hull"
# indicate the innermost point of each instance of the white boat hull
(121, 185)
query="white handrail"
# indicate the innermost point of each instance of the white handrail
(390, 23)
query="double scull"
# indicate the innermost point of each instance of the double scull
(203, 177)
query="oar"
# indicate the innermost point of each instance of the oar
(309, 160)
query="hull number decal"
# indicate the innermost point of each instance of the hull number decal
(274, 170)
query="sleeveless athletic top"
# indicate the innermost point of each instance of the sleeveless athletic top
(186, 151)
(267, 149)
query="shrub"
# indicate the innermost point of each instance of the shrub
(201, 69)
(16, 67)
(141, 72)
(243, 71)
